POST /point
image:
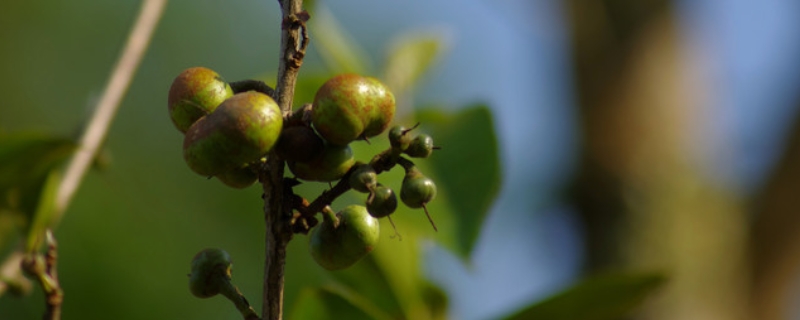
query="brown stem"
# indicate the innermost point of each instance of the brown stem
(277, 208)
(55, 296)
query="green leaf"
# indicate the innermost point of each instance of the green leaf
(334, 302)
(598, 298)
(410, 57)
(466, 169)
(25, 159)
(340, 52)
(307, 87)
(436, 300)
(45, 209)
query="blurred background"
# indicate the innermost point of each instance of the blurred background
(631, 136)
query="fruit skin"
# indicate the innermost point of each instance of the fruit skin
(363, 179)
(399, 138)
(194, 93)
(420, 147)
(417, 189)
(238, 178)
(299, 143)
(336, 246)
(349, 107)
(382, 202)
(211, 272)
(241, 130)
(332, 164)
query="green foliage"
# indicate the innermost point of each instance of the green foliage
(410, 57)
(468, 165)
(599, 298)
(340, 52)
(28, 181)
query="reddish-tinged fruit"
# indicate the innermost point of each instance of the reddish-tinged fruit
(349, 107)
(241, 130)
(195, 93)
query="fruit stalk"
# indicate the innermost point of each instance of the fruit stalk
(277, 212)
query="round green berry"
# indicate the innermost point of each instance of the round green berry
(195, 93)
(241, 130)
(340, 242)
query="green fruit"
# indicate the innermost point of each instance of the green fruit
(332, 164)
(399, 138)
(336, 245)
(349, 107)
(195, 93)
(241, 130)
(381, 202)
(417, 189)
(363, 179)
(211, 272)
(238, 178)
(299, 143)
(420, 147)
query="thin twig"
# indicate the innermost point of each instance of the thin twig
(121, 77)
(277, 207)
(55, 295)
(95, 133)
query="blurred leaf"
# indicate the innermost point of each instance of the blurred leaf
(368, 279)
(25, 161)
(436, 299)
(467, 167)
(410, 57)
(310, 5)
(307, 86)
(43, 217)
(340, 52)
(334, 302)
(597, 298)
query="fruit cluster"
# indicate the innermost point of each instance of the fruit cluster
(231, 127)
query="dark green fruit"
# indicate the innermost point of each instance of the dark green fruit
(420, 147)
(363, 179)
(238, 178)
(241, 130)
(336, 245)
(332, 164)
(417, 191)
(195, 93)
(381, 202)
(399, 138)
(211, 272)
(349, 107)
(299, 143)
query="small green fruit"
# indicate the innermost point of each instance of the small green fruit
(363, 179)
(211, 272)
(420, 147)
(195, 93)
(349, 106)
(417, 191)
(241, 130)
(399, 138)
(332, 164)
(299, 143)
(336, 245)
(238, 178)
(381, 202)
